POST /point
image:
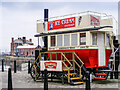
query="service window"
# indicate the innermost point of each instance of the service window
(53, 41)
(74, 39)
(94, 38)
(107, 40)
(82, 38)
(67, 40)
(59, 40)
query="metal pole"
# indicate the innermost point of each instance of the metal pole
(9, 79)
(88, 80)
(45, 80)
(116, 45)
(14, 66)
(3, 65)
(111, 73)
(28, 67)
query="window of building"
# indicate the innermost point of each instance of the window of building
(107, 40)
(74, 39)
(53, 41)
(67, 40)
(59, 40)
(82, 38)
(94, 38)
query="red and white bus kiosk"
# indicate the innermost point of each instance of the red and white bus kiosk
(75, 44)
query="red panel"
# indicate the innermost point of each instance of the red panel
(99, 78)
(62, 23)
(88, 56)
(101, 74)
(107, 55)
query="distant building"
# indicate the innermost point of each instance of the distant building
(26, 50)
(22, 47)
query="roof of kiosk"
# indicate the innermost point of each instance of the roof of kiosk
(75, 23)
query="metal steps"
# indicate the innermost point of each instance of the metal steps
(72, 74)
(67, 70)
(74, 77)
(78, 83)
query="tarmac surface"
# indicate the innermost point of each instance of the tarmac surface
(22, 79)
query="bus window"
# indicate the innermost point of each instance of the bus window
(82, 38)
(74, 40)
(66, 40)
(59, 40)
(94, 38)
(52, 40)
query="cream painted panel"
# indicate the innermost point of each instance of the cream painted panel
(88, 39)
(49, 41)
(107, 22)
(42, 28)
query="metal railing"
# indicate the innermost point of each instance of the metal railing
(60, 56)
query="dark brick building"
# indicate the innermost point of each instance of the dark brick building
(21, 42)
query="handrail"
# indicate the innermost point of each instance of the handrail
(80, 66)
(66, 59)
(79, 59)
(65, 65)
(36, 60)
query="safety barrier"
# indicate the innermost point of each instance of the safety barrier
(16, 65)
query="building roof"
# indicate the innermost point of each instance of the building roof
(18, 41)
(26, 46)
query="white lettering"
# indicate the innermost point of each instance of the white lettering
(57, 23)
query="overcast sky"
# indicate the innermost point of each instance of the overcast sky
(18, 19)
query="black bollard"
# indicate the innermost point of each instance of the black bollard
(111, 73)
(28, 67)
(14, 66)
(3, 65)
(45, 80)
(88, 80)
(9, 79)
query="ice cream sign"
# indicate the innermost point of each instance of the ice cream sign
(62, 23)
(51, 65)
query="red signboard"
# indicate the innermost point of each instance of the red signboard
(62, 23)
(95, 20)
(50, 65)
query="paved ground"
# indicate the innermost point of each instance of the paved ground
(22, 79)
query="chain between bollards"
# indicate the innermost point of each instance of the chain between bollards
(45, 80)
(9, 79)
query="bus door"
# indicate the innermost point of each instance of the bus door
(101, 49)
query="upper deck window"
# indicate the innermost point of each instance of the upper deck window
(66, 40)
(94, 38)
(82, 38)
(59, 40)
(53, 40)
(74, 39)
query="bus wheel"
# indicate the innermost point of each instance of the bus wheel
(32, 73)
